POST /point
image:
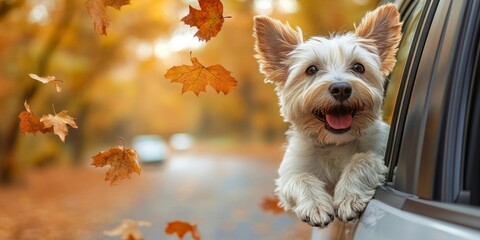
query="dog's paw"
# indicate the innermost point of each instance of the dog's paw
(349, 207)
(317, 214)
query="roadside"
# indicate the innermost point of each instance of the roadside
(220, 191)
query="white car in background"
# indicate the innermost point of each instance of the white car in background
(150, 148)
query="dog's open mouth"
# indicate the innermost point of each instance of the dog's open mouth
(337, 120)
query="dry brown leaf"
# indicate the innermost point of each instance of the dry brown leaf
(29, 123)
(97, 10)
(195, 78)
(47, 79)
(270, 204)
(59, 123)
(181, 228)
(209, 19)
(129, 230)
(123, 162)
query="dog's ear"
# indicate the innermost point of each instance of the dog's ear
(273, 42)
(382, 27)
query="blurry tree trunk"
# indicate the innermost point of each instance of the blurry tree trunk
(7, 6)
(7, 165)
(246, 92)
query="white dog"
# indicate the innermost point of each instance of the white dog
(331, 94)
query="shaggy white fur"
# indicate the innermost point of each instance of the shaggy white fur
(331, 92)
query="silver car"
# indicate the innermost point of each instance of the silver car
(433, 154)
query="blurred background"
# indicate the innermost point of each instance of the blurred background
(217, 153)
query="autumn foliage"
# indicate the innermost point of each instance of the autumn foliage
(29, 123)
(209, 19)
(97, 10)
(271, 204)
(196, 77)
(123, 162)
(128, 230)
(181, 228)
(47, 79)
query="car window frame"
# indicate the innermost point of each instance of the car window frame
(441, 200)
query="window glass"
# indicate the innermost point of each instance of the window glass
(472, 164)
(393, 85)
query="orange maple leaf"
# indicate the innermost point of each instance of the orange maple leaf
(270, 204)
(47, 79)
(128, 230)
(97, 10)
(59, 123)
(209, 19)
(196, 77)
(29, 123)
(122, 161)
(181, 228)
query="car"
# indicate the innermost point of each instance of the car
(433, 153)
(181, 141)
(150, 148)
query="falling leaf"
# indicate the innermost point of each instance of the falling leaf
(97, 10)
(196, 77)
(270, 204)
(122, 161)
(47, 79)
(59, 123)
(181, 228)
(129, 230)
(208, 19)
(29, 123)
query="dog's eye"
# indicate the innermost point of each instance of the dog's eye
(358, 68)
(311, 70)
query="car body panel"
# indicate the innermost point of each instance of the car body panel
(381, 221)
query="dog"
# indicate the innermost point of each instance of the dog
(330, 92)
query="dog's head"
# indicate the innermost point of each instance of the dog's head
(330, 87)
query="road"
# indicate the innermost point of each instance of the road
(220, 193)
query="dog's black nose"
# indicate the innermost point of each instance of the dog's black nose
(340, 90)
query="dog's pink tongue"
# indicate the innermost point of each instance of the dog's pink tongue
(339, 121)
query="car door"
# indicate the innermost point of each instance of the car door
(433, 106)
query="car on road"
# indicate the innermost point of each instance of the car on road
(150, 148)
(433, 105)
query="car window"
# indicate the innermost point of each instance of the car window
(471, 167)
(400, 80)
(410, 19)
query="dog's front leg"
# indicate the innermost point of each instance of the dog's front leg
(298, 187)
(357, 184)
(305, 195)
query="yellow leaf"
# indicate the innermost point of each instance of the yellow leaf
(97, 10)
(47, 79)
(29, 123)
(208, 19)
(122, 161)
(128, 230)
(59, 123)
(195, 78)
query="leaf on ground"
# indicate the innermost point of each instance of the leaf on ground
(123, 162)
(129, 230)
(196, 77)
(182, 228)
(47, 79)
(271, 204)
(59, 123)
(29, 123)
(97, 10)
(209, 19)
